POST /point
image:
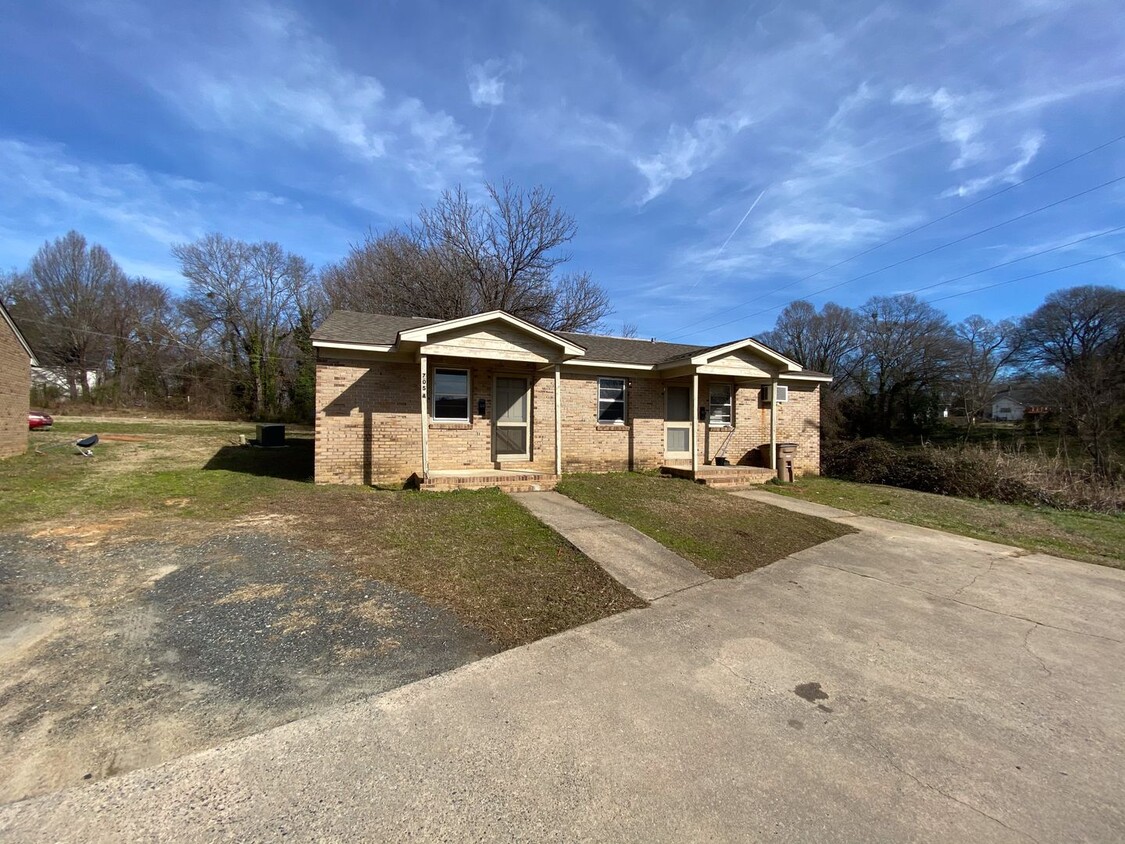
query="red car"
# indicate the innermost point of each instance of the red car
(38, 419)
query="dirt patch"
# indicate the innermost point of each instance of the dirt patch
(115, 655)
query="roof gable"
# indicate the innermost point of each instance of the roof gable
(427, 333)
(7, 317)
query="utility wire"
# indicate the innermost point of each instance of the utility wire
(932, 222)
(1032, 275)
(923, 254)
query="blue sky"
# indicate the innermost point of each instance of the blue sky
(715, 155)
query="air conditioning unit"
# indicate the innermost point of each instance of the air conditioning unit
(768, 393)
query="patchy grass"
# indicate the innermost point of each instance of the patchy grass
(1092, 537)
(722, 534)
(477, 553)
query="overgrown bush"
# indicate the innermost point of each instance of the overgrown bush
(972, 472)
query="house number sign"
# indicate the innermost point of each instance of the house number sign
(424, 386)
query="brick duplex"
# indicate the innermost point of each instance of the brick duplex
(370, 405)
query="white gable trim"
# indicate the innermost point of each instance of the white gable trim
(19, 335)
(355, 347)
(423, 333)
(707, 355)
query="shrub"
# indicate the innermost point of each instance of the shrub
(972, 472)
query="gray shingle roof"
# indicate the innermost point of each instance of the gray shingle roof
(383, 330)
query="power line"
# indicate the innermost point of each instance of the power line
(932, 222)
(915, 257)
(1020, 259)
(1032, 275)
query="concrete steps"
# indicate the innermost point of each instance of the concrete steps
(722, 477)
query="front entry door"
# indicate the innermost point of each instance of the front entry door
(510, 426)
(677, 423)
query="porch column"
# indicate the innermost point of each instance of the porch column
(558, 420)
(424, 391)
(773, 423)
(694, 423)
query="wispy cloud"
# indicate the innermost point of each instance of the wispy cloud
(486, 84)
(686, 151)
(267, 75)
(1028, 148)
(137, 213)
(958, 121)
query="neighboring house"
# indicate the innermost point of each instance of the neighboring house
(57, 379)
(406, 399)
(16, 360)
(1014, 405)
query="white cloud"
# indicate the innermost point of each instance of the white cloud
(486, 84)
(1028, 149)
(687, 151)
(137, 213)
(266, 75)
(958, 121)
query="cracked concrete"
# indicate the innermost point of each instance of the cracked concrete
(898, 684)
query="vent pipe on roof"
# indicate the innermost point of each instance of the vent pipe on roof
(652, 340)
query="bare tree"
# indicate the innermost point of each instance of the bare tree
(64, 299)
(984, 349)
(1075, 340)
(462, 257)
(907, 349)
(244, 298)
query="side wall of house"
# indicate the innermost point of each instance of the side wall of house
(15, 389)
(368, 421)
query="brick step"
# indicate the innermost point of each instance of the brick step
(510, 483)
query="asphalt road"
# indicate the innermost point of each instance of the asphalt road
(897, 684)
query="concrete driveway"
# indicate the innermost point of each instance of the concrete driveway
(897, 684)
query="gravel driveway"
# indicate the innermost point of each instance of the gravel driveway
(120, 653)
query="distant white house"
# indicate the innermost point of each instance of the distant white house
(1007, 409)
(1013, 406)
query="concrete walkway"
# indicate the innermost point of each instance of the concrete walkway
(892, 685)
(641, 564)
(809, 508)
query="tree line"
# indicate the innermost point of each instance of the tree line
(237, 340)
(901, 365)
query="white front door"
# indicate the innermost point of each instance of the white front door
(511, 419)
(677, 423)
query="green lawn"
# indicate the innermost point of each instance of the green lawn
(1093, 537)
(478, 553)
(722, 534)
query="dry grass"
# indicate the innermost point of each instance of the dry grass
(722, 534)
(1092, 537)
(478, 554)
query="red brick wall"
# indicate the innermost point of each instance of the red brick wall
(15, 388)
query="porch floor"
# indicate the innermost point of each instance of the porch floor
(722, 477)
(507, 480)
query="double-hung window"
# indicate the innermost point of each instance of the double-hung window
(721, 409)
(451, 395)
(611, 401)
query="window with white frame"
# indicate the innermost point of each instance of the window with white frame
(611, 401)
(451, 395)
(721, 409)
